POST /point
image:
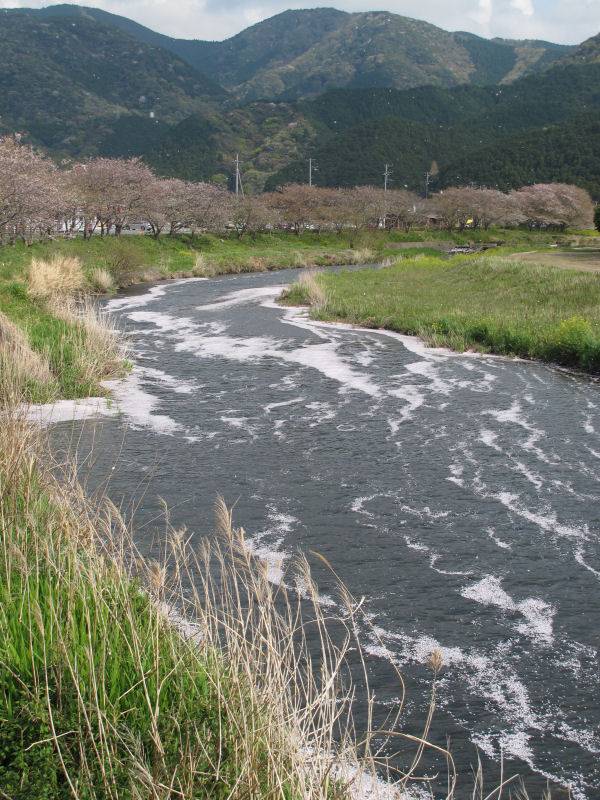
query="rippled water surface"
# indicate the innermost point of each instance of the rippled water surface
(457, 493)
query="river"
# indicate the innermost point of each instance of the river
(457, 493)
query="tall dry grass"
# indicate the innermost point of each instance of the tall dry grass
(22, 369)
(313, 289)
(98, 348)
(62, 275)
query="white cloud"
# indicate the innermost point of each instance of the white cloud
(524, 6)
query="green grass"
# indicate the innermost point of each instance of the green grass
(100, 696)
(484, 303)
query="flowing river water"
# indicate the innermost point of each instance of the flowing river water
(457, 493)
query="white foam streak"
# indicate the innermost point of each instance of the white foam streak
(243, 296)
(136, 301)
(70, 410)
(537, 613)
(139, 406)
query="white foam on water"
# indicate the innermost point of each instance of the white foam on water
(504, 545)
(70, 410)
(270, 406)
(139, 406)
(412, 545)
(489, 439)
(514, 415)
(538, 615)
(165, 323)
(175, 384)
(241, 424)
(277, 426)
(322, 412)
(456, 473)
(425, 512)
(435, 557)
(546, 522)
(137, 301)
(358, 504)
(414, 400)
(580, 559)
(531, 476)
(325, 358)
(587, 739)
(394, 425)
(426, 369)
(242, 296)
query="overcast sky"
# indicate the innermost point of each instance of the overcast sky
(562, 21)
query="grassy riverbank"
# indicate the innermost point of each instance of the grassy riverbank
(486, 303)
(103, 696)
(58, 347)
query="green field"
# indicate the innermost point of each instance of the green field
(486, 303)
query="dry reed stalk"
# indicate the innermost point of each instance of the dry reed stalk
(60, 275)
(102, 280)
(20, 365)
(99, 350)
(313, 289)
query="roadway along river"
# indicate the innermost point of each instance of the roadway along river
(457, 493)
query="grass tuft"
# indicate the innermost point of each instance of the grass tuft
(59, 274)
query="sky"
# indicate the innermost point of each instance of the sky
(560, 21)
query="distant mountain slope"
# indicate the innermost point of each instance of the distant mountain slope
(64, 78)
(563, 153)
(306, 52)
(204, 149)
(472, 134)
(303, 53)
(541, 99)
(587, 52)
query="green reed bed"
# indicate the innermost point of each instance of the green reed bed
(53, 347)
(486, 303)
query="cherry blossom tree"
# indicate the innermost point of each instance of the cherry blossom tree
(252, 214)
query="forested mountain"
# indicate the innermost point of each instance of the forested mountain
(306, 52)
(81, 81)
(587, 52)
(492, 136)
(66, 81)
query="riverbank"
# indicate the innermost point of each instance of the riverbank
(483, 303)
(103, 696)
(49, 338)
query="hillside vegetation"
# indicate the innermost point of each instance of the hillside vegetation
(539, 128)
(306, 52)
(66, 81)
(81, 82)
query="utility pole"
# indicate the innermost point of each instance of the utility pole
(239, 189)
(427, 176)
(311, 168)
(386, 176)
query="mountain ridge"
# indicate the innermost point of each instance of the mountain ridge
(304, 52)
